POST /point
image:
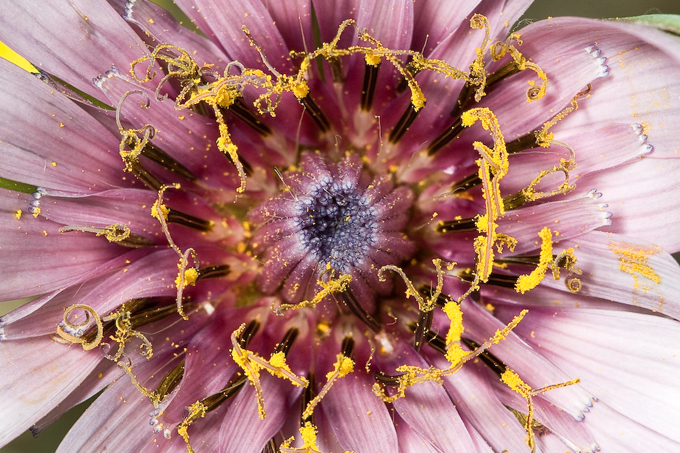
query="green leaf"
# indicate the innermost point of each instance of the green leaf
(666, 22)
(17, 186)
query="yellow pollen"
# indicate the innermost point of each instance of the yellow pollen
(633, 262)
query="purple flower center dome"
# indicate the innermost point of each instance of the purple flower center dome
(331, 219)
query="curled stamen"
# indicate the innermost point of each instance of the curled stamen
(72, 332)
(117, 233)
(186, 275)
(499, 49)
(512, 380)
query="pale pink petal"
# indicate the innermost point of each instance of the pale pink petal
(475, 400)
(566, 219)
(38, 374)
(650, 214)
(529, 363)
(163, 28)
(588, 344)
(625, 270)
(48, 141)
(427, 407)
(43, 259)
(73, 40)
(639, 61)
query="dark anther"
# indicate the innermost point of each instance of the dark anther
(496, 279)
(531, 260)
(170, 381)
(423, 326)
(427, 291)
(466, 183)
(287, 342)
(467, 94)
(271, 447)
(446, 137)
(358, 311)
(403, 124)
(132, 306)
(413, 71)
(145, 176)
(247, 168)
(242, 112)
(315, 112)
(449, 226)
(527, 141)
(187, 220)
(155, 154)
(501, 73)
(336, 70)
(212, 402)
(515, 200)
(135, 242)
(387, 380)
(154, 314)
(436, 342)
(248, 333)
(347, 346)
(220, 270)
(368, 89)
(490, 360)
(308, 394)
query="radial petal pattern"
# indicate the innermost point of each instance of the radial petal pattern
(348, 225)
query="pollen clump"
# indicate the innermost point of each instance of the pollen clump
(633, 262)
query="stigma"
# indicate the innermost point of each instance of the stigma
(331, 219)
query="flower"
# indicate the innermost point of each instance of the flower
(362, 226)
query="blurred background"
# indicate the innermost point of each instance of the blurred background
(49, 439)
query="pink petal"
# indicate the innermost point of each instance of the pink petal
(565, 218)
(73, 40)
(47, 140)
(163, 28)
(38, 374)
(45, 259)
(588, 344)
(625, 270)
(642, 195)
(478, 405)
(427, 407)
(528, 362)
(639, 61)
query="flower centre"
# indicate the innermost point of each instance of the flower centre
(335, 219)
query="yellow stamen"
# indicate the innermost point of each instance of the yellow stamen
(512, 380)
(252, 363)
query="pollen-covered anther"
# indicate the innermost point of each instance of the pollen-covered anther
(308, 435)
(252, 363)
(333, 285)
(493, 166)
(565, 259)
(196, 411)
(342, 367)
(512, 380)
(456, 355)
